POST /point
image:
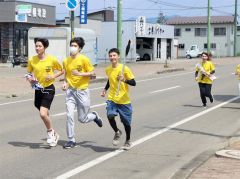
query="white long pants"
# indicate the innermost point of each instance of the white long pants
(81, 100)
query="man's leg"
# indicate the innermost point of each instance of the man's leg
(70, 106)
(202, 93)
(111, 113)
(208, 92)
(125, 111)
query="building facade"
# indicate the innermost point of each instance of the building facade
(16, 18)
(193, 31)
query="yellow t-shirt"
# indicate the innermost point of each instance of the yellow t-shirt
(208, 66)
(42, 68)
(80, 63)
(112, 73)
(238, 71)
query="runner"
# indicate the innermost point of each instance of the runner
(78, 71)
(203, 73)
(41, 75)
(238, 74)
(119, 104)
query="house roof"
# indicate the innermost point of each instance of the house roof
(200, 20)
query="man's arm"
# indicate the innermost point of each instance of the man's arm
(131, 82)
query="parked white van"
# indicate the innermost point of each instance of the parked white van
(145, 50)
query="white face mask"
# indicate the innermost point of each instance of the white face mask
(74, 50)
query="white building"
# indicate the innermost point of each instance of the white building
(158, 39)
(193, 31)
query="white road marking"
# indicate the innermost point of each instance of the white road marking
(169, 76)
(139, 141)
(64, 113)
(61, 94)
(157, 91)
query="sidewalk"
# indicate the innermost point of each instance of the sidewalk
(13, 84)
(219, 167)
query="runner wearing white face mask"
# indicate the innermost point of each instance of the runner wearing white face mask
(78, 71)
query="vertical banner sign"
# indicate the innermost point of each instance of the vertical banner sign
(83, 11)
(141, 25)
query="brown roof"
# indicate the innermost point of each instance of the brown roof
(200, 20)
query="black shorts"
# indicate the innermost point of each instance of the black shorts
(44, 97)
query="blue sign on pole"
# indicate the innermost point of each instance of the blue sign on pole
(83, 11)
(71, 4)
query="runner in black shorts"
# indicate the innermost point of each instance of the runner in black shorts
(41, 75)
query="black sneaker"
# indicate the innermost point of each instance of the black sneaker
(70, 144)
(98, 120)
(116, 137)
(204, 105)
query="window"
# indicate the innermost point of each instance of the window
(193, 48)
(188, 29)
(212, 45)
(177, 32)
(146, 46)
(181, 46)
(238, 28)
(201, 32)
(220, 31)
(138, 46)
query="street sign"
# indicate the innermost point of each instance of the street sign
(71, 4)
(83, 11)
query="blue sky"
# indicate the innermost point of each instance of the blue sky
(151, 8)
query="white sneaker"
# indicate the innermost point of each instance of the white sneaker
(55, 140)
(50, 136)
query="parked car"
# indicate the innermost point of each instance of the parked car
(144, 50)
(193, 52)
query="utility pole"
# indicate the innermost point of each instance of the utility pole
(209, 27)
(119, 26)
(235, 29)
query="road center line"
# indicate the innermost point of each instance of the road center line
(157, 91)
(139, 141)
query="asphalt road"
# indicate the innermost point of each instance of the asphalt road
(172, 134)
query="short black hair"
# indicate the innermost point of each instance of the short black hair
(44, 41)
(79, 40)
(114, 50)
